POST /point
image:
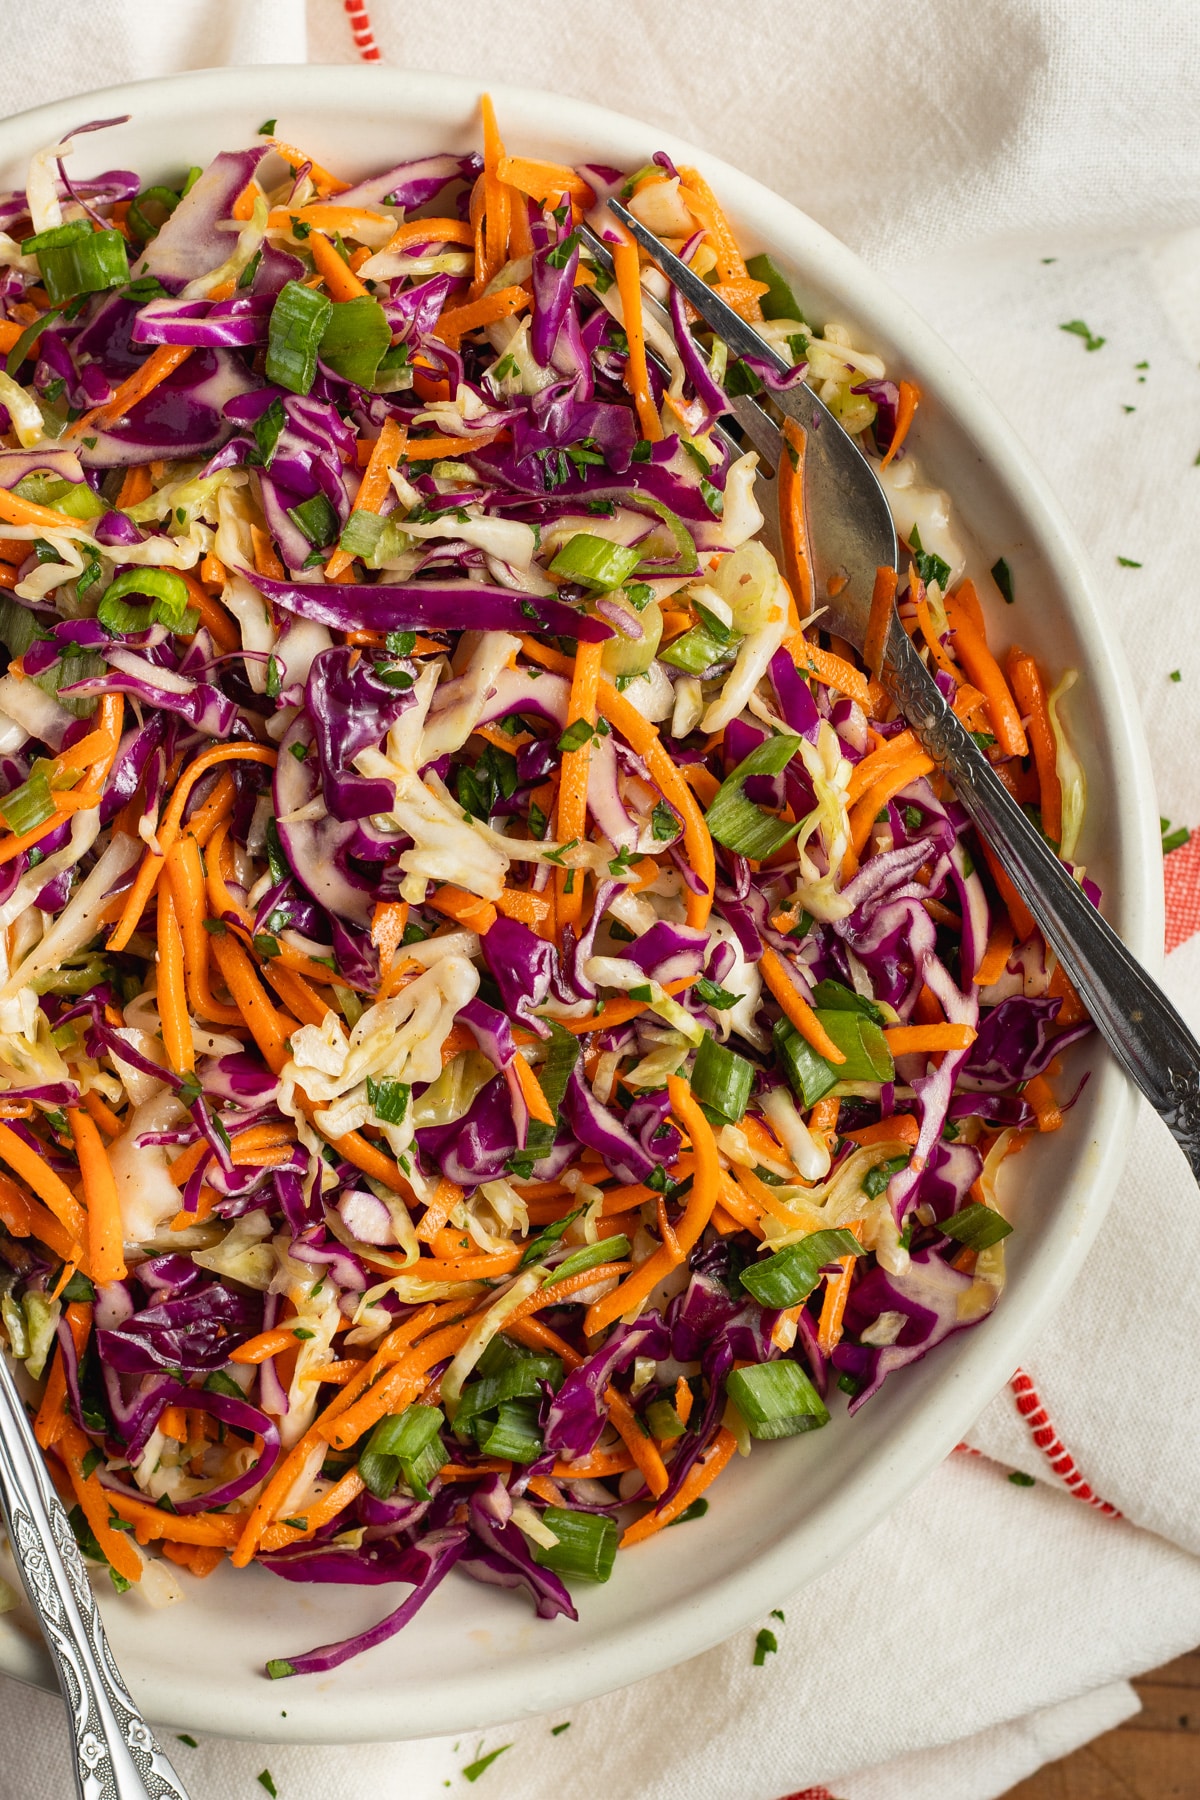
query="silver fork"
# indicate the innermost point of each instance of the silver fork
(115, 1756)
(851, 535)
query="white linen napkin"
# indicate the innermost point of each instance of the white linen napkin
(1030, 164)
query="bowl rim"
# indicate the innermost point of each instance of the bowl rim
(983, 1360)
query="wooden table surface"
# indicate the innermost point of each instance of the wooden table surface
(1155, 1756)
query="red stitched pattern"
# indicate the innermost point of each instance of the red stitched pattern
(1181, 879)
(810, 1794)
(1029, 1405)
(360, 27)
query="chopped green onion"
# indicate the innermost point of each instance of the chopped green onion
(808, 1074)
(586, 1547)
(977, 1227)
(663, 1420)
(1019, 1478)
(696, 1510)
(316, 519)
(79, 501)
(29, 805)
(168, 596)
(279, 1667)
(553, 1075)
(515, 1435)
(405, 1444)
(27, 340)
(389, 1099)
(697, 650)
(735, 821)
(74, 259)
(611, 1249)
(776, 1399)
(519, 1376)
(929, 567)
(165, 197)
(298, 321)
(267, 428)
(537, 1247)
(361, 534)
(220, 1383)
(474, 1770)
(721, 1079)
(355, 339)
(790, 1276)
(832, 996)
(1080, 330)
(779, 302)
(765, 1644)
(595, 562)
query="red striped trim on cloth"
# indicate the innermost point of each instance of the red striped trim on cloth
(1181, 879)
(811, 1794)
(1031, 1409)
(360, 29)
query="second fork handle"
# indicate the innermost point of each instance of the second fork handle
(1131, 1012)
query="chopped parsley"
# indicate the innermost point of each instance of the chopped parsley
(1173, 840)
(1019, 1478)
(1080, 330)
(765, 1644)
(1175, 675)
(1127, 562)
(265, 1780)
(474, 1770)
(184, 1738)
(1002, 576)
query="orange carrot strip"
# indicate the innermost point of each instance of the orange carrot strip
(339, 278)
(837, 1292)
(265, 560)
(894, 780)
(643, 1450)
(213, 617)
(374, 486)
(796, 1008)
(882, 598)
(454, 324)
(52, 1414)
(701, 1475)
(1030, 694)
(433, 449)
(106, 1241)
(446, 1197)
(793, 519)
(906, 407)
(387, 930)
(903, 1040)
(531, 1088)
(558, 1292)
(185, 872)
(890, 753)
(24, 1216)
(995, 957)
(929, 631)
(45, 1183)
(571, 820)
(103, 1114)
(403, 1382)
(618, 1012)
(429, 231)
(901, 1128)
(1039, 1095)
(72, 1447)
(172, 991)
(266, 1027)
(971, 649)
(830, 670)
(158, 365)
(198, 1559)
(266, 1344)
(463, 907)
(700, 1202)
(532, 909)
(637, 374)
(322, 180)
(135, 486)
(700, 200)
(296, 994)
(497, 201)
(544, 180)
(168, 830)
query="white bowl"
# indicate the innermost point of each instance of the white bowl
(476, 1656)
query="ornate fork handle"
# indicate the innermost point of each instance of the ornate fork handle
(116, 1756)
(1136, 1019)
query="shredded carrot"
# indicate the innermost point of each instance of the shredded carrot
(544, 180)
(571, 822)
(995, 957)
(891, 752)
(453, 325)
(619, 1012)
(387, 930)
(796, 1008)
(1030, 695)
(531, 909)
(697, 1212)
(374, 486)
(136, 486)
(496, 202)
(48, 1186)
(793, 519)
(463, 907)
(892, 782)
(904, 1040)
(731, 269)
(185, 872)
(265, 560)
(72, 1447)
(971, 649)
(831, 671)
(435, 449)
(324, 183)
(906, 407)
(327, 217)
(23, 1216)
(266, 1344)
(643, 1451)
(1046, 1109)
(16, 511)
(198, 1559)
(168, 830)
(339, 278)
(428, 231)
(106, 1253)
(243, 207)
(103, 1114)
(883, 597)
(172, 992)
(531, 1089)
(1018, 912)
(215, 620)
(837, 1292)
(701, 1475)
(627, 269)
(900, 1128)
(446, 1197)
(160, 363)
(52, 1414)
